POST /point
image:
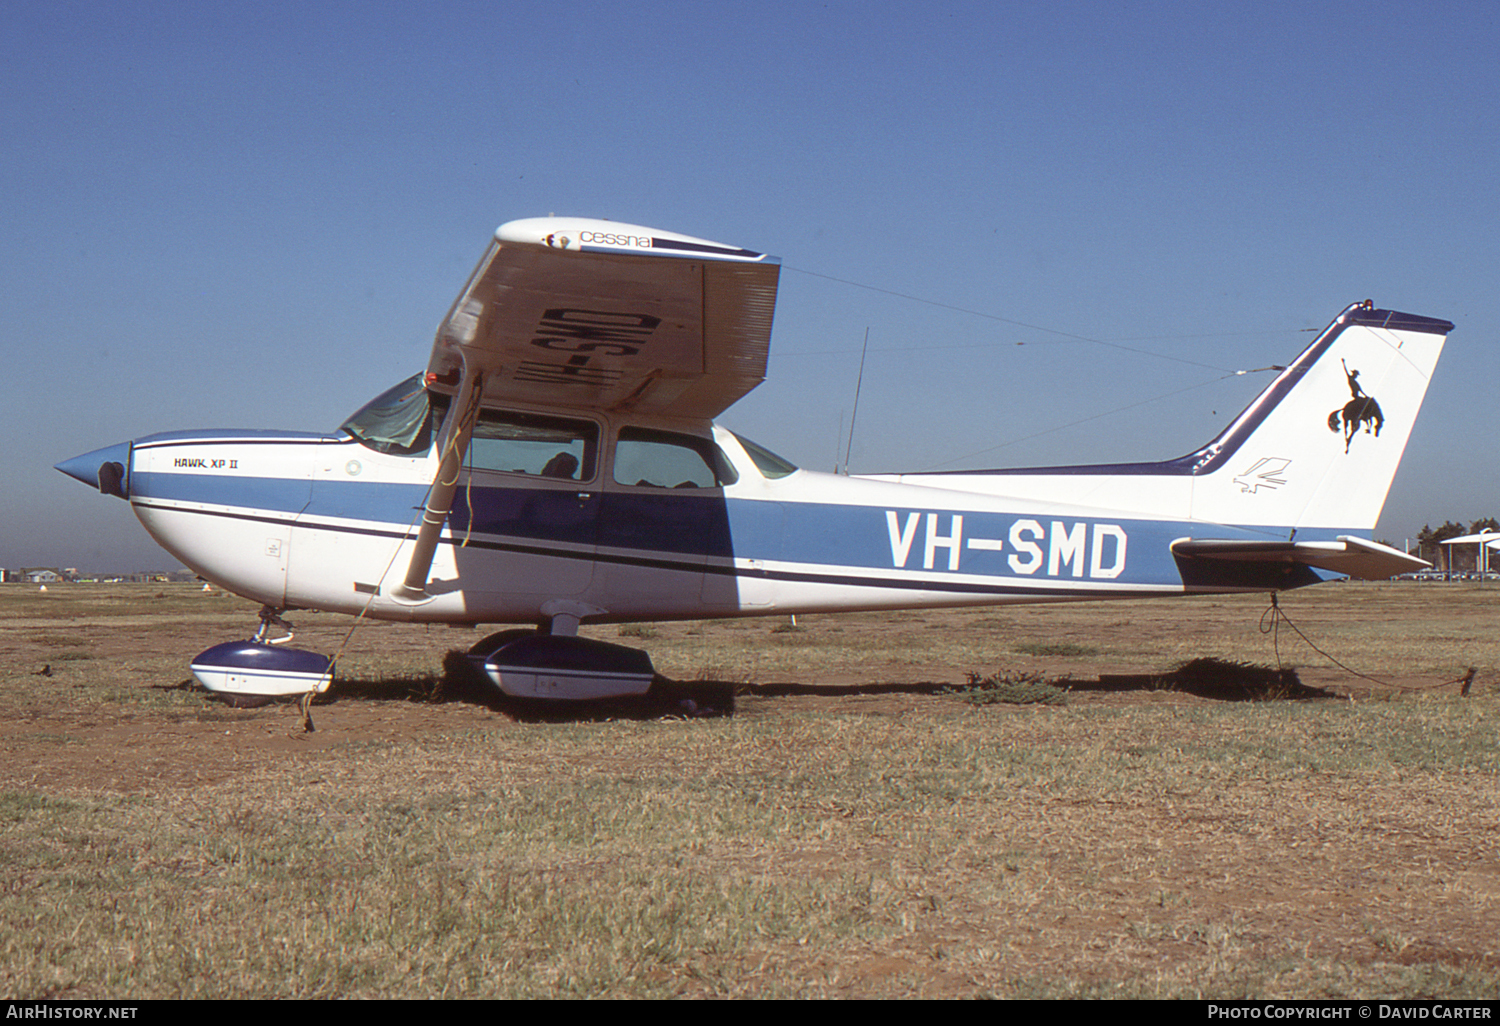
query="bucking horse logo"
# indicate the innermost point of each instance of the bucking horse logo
(1360, 411)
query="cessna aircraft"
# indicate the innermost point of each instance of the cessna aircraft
(557, 464)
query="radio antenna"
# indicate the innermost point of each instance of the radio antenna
(858, 382)
(838, 440)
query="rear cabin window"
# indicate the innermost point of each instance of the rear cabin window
(767, 462)
(662, 459)
(530, 443)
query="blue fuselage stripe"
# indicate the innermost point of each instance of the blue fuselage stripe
(969, 551)
(273, 494)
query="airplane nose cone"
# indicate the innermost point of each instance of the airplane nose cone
(106, 469)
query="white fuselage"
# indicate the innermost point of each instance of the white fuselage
(325, 522)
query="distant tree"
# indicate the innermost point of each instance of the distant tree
(1442, 534)
(1424, 543)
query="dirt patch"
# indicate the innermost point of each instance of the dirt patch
(96, 693)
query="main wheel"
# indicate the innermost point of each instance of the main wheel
(487, 646)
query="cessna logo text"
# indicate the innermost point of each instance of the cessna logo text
(611, 239)
(1057, 548)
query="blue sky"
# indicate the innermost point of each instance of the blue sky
(254, 214)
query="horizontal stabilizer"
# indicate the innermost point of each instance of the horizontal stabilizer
(1355, 557)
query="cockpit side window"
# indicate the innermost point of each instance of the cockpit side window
(663, 459)
(399, 421)
(531, 443)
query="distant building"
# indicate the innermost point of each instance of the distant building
(52, 574)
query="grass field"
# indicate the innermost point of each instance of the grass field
(884, 834)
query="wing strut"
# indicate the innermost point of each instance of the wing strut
(440, 496)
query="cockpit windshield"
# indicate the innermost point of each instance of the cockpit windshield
(399, 421)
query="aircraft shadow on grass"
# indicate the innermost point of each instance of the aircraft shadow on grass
(462, 681)
(1213, 678)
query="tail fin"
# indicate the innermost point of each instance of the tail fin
(1317, 449)
(1315, 452)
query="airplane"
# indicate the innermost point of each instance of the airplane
(557, 464)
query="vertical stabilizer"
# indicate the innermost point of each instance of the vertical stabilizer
(1318, 448)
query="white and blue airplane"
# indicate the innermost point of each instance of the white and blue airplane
(557, 464)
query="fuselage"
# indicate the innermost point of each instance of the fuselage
(659, 519)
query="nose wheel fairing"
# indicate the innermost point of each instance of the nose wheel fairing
(263, 667)
(258, 669)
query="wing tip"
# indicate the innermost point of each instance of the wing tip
(596, 235)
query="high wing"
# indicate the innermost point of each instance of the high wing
(591, 314)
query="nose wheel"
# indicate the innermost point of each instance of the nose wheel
(250, 673)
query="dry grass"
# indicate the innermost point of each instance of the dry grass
(869, 844)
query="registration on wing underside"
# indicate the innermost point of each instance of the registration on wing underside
(577, 345)
(683, 337)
